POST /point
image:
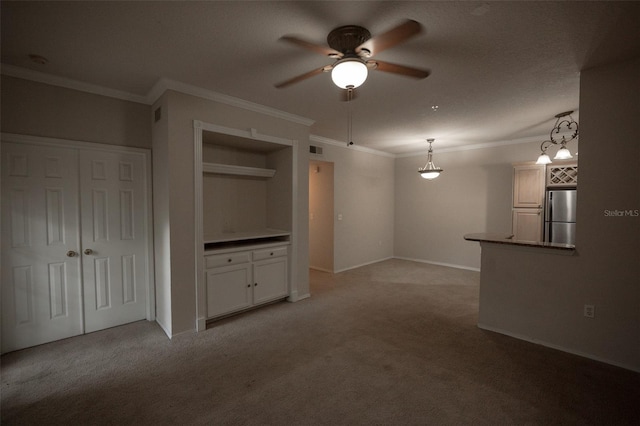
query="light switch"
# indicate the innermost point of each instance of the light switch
(339, 216)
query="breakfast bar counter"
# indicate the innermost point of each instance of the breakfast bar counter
(507, 239)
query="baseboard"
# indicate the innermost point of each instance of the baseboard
(201, 324)
(448, 265)
(298, 297)
(557, 347)
(162, 326)
(316, 268)
(362, 264)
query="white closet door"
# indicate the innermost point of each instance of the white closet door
(41, 287)
(114, 238)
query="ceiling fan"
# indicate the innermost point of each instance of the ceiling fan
(352, 47)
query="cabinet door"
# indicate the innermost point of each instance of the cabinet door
(270, 279)
(527, 224)
(228, 289)
(528, 186)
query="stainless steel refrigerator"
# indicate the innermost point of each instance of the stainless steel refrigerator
(560, 216)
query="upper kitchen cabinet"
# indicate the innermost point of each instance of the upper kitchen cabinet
(528, 185)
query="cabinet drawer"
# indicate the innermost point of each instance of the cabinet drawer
(217, 260)
(269, 253)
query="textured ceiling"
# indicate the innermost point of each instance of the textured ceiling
(500, 70)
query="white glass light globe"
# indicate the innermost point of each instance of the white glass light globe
(430, 175)
(349, 73)
(563, 154)
(543, 159)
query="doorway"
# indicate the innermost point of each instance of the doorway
(76, 246)
(321, 215)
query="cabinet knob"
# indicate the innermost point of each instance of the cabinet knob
(256, 284)
(271, 254)
(248, 285)
(228, 260)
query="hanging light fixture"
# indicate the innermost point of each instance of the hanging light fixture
(430, 171)
(569, 129)
(349, 73)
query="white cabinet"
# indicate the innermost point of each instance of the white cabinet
(528, 202)
(246, 210)
(527, 224)
(528, 186)
(244, 277)
(228, 289)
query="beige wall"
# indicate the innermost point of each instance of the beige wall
(161, 218)
(363, 195)
(539, 296)
(473, 194)
(38, 109)
(181, 110)
(321, 215)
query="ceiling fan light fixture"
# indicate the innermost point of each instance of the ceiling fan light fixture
(349, 73)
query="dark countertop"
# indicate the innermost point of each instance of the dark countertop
(508, 240)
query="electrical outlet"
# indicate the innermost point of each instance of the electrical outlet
(589, 311)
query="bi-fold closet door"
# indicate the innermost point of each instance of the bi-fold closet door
(75, 251)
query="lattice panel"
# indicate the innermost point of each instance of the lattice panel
(562, 176)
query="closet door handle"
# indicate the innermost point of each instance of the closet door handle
(88, 251)
(71, 253)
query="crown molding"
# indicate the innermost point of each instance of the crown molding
(156, 91)
(54, 80)
(476, 146)
(327, 141)
(165, 84)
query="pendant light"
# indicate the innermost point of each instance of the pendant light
(570, 128)
(430, 171)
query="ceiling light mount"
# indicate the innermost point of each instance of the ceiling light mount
(564, 131)
(347, 38)
(430, 171)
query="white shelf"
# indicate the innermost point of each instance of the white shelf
(247, 235)
(228, 169)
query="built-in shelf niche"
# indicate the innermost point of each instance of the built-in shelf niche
(246, 188)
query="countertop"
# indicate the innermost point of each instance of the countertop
(508, 240)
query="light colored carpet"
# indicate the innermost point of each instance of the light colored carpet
(394, 343)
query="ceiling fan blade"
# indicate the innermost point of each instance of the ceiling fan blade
(323, 50)
(396, 35)
(301, 77)
(400, 69)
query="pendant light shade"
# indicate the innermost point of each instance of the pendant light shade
(349, 73)
(563, 154)
(543, 159)
(430, 171)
